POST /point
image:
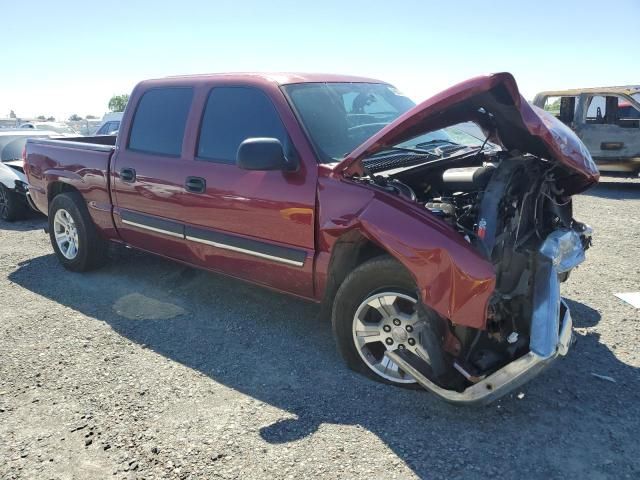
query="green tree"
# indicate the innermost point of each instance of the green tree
(12, 114)
(51, 119)
(118, 102)
(75, 118)
(42, 118)
(90, 117)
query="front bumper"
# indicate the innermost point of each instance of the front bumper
(551, 328)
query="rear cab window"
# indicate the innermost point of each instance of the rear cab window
(159, 121)
(233, 114)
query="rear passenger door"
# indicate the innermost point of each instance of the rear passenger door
(257, 225)
(148, 171)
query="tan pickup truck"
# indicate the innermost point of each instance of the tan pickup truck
(607, 120)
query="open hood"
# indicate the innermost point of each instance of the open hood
(495, 104)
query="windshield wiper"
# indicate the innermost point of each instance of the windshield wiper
(403, 149)
(436, 141)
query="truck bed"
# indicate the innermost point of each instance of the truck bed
(100, 143)
(77, 163)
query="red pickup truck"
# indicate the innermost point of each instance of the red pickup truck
(437, 234)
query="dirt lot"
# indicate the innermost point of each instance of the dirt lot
(148, 369)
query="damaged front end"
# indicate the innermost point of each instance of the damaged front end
(523, 223)
(550, 333)
(511, 202)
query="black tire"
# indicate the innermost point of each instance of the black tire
(92, 248)
(12, 206)
(380, 274)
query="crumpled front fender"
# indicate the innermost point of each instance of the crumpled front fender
(453, 279)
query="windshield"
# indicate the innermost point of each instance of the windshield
(340, 116)
(466, 134)
(455, 140)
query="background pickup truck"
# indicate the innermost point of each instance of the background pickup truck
(606, 119)
(438, 251)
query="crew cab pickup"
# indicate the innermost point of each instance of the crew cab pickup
(436, 234)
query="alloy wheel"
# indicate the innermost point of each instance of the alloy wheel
(66, 234)
(387, 321)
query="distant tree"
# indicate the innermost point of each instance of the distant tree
(75, 118)
(90, 117)
(12, 114)
(42, 118)
(118, 102)
(51, 119)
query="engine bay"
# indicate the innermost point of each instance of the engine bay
(504, 205)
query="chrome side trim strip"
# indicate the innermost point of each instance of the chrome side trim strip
(153, 229)
(248, 252)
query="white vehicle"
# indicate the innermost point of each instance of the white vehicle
(53, 128)
(14, 192)
(110, 124)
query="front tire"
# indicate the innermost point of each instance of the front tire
(12, 206)
(377, 309)
(74, 237)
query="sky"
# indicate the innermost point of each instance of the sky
(61, 58)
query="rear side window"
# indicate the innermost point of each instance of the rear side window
(159, 121)
(232, 115)
(563, 108)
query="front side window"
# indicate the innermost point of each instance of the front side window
(159, 121)
(340, 116)
(597, 110)
(232, 115)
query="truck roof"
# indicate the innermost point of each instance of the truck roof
(624, 90)
(278, 78)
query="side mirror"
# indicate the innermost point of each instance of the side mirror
(263, 154)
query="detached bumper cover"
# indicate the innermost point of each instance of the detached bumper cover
(551, 328)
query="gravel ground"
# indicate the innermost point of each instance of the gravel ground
(148, 369)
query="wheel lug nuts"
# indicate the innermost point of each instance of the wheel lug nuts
(396, 321)
(401, 346)
(386, 328)
(389, 341)
(409, 328)
(412, 342)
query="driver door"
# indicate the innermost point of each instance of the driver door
(256, 225)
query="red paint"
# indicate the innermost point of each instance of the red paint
(520, 126)
(308, 210)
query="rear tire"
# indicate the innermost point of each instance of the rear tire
(74, 237)
(375, 310)
(12, 205)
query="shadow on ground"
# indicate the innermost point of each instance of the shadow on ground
(34, 221)
(275, 349)
(617, 189)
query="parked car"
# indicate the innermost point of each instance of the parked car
(110, 124)
(606, 119)
(60, 129)
(14, 198)
(438, 253)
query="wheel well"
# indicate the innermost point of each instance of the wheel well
(56, 188)
(351, 250)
